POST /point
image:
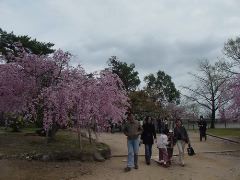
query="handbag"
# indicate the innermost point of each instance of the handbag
(190, 150)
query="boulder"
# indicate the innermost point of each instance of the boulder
(98, 157)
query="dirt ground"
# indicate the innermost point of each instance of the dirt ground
(212, 162)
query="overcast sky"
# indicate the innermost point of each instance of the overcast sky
(167, 35)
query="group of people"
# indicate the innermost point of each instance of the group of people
(165, 141)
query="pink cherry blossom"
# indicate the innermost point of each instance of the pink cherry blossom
(231, 94)
(67, 95)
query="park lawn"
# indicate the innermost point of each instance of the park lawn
(18, 143)
(225, 132)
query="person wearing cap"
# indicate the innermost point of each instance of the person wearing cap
(132, 130)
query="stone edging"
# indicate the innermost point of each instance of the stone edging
(227, 139)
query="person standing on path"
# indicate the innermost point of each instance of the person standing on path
(202, 124)
(181, 138)
(147, 137)
(132, 130)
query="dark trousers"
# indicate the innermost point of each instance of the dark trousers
(148, 152)
(203, 134)
(170, 154)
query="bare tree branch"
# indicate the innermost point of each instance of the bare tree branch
(195, 100)
(208, 92)
(198, 93)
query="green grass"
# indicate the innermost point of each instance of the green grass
(22, 130)
(15, 143)
(234, 132)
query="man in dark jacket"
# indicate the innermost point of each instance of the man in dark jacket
(147, 137)
(132, 130)
(202, 124)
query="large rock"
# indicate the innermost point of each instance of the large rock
(87, 157)
(105, 153)
(104, 150)
(98, 157)
(46, 157)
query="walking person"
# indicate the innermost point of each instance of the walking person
(170, 146)
(166, 125)
(159, 125)
(147, 137)
(162, 147)
(181, 138)
(202, 124)
(132, 130)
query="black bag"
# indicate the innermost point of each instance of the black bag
(190, 150)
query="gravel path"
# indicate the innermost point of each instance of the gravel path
(206, 164)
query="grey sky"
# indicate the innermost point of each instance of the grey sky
(168, 35)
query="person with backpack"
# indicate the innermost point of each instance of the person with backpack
(147, 137)
(180, 139)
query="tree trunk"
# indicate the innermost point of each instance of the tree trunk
(79, 137)
(213, 119)
(52, 132)
(89, 135)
